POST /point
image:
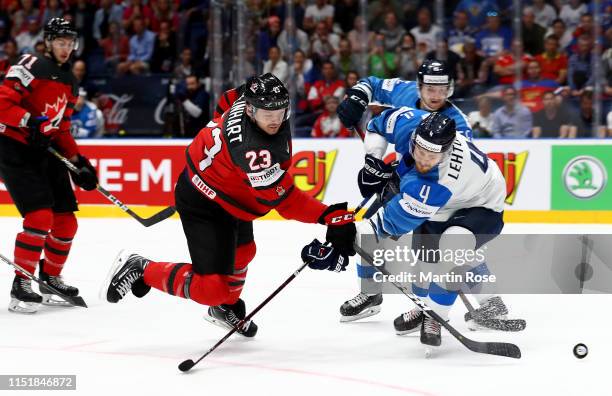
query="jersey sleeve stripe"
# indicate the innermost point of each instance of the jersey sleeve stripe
(365, 88)
(219, 111)
(275, 202)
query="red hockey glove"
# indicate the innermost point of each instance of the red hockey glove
(341, 229)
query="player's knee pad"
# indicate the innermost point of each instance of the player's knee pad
(38, 222)
(65, 225)
(458, 248)
(457, 237)
(212, 289)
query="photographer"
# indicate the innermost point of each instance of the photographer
(187, 108)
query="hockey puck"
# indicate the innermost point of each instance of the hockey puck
(580, 351)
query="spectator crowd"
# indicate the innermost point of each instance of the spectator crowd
(539, 83)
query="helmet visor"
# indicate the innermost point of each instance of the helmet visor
(268, 117)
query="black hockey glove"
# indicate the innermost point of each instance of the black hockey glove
(87, 178)
(321, 257)
(374, 176)
(37, 138)
(390, 190)
(341, 229)
(352, 107)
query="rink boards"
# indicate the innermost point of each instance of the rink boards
(547, 180)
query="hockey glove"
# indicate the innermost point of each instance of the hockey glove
(37, 137)
(321, 257)
(340, 227)
(351, 109)
(87, 178)
(390, 190)
(374, 176)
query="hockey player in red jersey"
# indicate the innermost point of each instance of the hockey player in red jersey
(37, 98)
(237, 171)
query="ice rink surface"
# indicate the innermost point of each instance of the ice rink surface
(134, 347)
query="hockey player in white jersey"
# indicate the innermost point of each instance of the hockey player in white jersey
(430, 92)
(446, 185)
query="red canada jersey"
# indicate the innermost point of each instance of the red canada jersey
(39, 86)
(245, 170)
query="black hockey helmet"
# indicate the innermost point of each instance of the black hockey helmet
(435, 72)
(436, 133)
(266, 92)
(59, 27)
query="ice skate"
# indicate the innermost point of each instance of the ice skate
(361, 306)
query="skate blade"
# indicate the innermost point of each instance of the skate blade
(430, 351)
(222, 324)
(49, 301)
(118, 263)
(405, 332)
(23, 307)
(365, 314)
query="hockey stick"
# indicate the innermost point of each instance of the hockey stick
(492, 323)
(189, 363)
(357, 131)
(362, 204)
(76, 300)
(495, 324)
(147, 222)
(491, 348)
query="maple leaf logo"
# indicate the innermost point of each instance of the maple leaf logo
(54, 113)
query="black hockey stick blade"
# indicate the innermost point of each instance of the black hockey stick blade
(158, 217)
(186, 365)
(76, 301)
(147, 222)
(503, 349)
(500, 349)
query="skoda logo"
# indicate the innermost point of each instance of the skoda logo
(584, 177)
